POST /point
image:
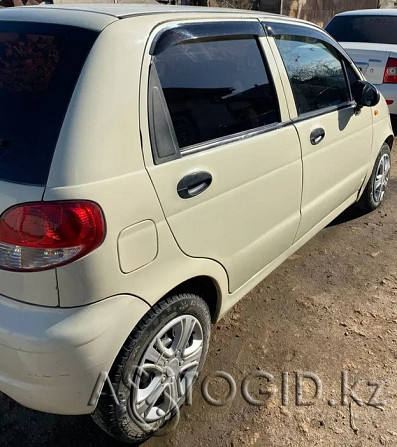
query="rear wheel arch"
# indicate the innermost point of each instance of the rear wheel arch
(205, 287)
(172, 336)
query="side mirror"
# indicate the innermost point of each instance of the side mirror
(365, 94)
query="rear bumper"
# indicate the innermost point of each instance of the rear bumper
(389, 92)
(51, 358)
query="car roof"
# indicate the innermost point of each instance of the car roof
(97, 16)
(370, 12)
(127, 10)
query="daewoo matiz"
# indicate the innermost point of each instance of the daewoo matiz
(157, 163)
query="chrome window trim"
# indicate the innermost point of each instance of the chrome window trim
(259, 131)
(325, 111)
(242, 136)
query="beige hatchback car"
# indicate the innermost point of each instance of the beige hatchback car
(157, 163)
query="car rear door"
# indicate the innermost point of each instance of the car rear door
(336, 138)
(223, 157)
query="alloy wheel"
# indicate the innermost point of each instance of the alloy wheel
(381, 178)
(166, 370)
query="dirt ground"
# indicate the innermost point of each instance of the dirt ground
(330, 309)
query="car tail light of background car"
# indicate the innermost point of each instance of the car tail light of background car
(41, 235)
(390, 76)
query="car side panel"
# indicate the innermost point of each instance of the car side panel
(99, 158)
(250, 213)
(335, 168)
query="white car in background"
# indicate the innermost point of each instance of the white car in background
(370, 38)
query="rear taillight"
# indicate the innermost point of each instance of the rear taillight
(41, 235)
(390, 76)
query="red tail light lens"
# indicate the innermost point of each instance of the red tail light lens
(43, 235)
(390, 76)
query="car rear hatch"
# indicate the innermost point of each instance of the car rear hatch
(39, 67)
(370, 40)
(370, 58)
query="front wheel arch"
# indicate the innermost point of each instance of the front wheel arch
(374, 190)
(390, 141)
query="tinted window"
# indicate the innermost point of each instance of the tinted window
(315, 72)
(355, 87)
(351, 75)
(377, 29)
(215, 88)
(39, 66)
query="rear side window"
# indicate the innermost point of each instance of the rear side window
(315, 71)
(376, 29)
(39, 67)
(215, 88)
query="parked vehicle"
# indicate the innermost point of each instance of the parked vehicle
(157, 163)
(370, 38)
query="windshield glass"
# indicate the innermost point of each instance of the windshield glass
(39, 67)
(376, 29)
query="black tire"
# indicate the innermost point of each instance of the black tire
(122, 420)
(370, 200)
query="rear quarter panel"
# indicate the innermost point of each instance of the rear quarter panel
(99, 158)
(31, 287)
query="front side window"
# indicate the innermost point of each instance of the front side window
(215, 88)
(315, 71)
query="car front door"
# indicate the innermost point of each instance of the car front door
(222, 155)
(336, 138)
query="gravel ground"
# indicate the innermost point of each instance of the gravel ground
(330, 308)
